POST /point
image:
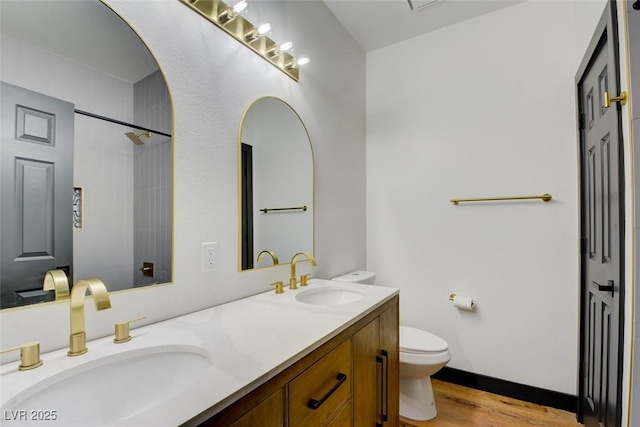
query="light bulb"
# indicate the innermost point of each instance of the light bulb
(239, 7)
(286, 46)
(264, 28)
(303, 60)
(230, 13)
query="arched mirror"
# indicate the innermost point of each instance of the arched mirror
(276, 184)
(86, 181)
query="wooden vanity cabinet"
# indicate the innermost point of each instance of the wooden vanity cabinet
(376, 394)
(353, 379)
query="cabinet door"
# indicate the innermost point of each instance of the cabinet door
(269, 413)
(376, 374)
(390, 342)
(366, 382)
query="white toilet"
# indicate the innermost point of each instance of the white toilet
(422, 354)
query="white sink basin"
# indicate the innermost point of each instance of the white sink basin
(329, 296)
(110, 389)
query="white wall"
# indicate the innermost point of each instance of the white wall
(484, 107)
(212, 79)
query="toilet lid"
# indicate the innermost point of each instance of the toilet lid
(414, 340)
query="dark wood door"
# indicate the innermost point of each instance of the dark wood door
(602, 230)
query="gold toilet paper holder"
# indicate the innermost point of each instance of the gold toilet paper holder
(451, 297)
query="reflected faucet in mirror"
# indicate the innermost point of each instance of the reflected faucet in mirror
(293, 283)
(273, 255)
(56, 280)
(78, 335)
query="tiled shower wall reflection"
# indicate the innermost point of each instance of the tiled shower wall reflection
(152, 181)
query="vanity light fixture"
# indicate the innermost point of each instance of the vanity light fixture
(255, 33)
(231, 12)
(227, 17)
(277, 50)
(294, 64)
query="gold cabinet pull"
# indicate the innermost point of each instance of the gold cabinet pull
(608, 99)
(122, 330)
(29, 355)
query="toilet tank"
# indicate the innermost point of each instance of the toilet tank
(358, 276)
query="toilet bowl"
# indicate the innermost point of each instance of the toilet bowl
(422, 354)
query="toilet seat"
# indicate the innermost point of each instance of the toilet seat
(417, 341)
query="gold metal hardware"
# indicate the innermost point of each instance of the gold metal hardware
(135, 137)
(147, 269)
(608, 99)
(273, 255)
(122, 330)
(295, 208)
(56, 280)
(292, 280)
(78, 336)
(451, 297)
(216, 12)
(304, 280)
(29, 355)
(544, 197)
(279, 287)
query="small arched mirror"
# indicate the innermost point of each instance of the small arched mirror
(276, 184)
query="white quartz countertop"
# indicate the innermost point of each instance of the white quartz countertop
(247, 342)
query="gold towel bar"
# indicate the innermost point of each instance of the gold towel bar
(545, 198)
(298, 208)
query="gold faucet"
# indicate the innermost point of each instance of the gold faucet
(78, 336)
(56, 280)
(293, 283)
(273, 255)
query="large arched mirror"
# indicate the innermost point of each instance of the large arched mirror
(276, 184)
(86, 151)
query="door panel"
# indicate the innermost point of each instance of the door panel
(36, 156)
(602, 230)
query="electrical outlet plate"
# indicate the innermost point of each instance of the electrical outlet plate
(209, 256)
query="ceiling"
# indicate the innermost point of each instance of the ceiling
(378, 23)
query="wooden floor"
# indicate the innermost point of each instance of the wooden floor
(462, 406)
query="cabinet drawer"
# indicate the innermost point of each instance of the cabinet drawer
(344, 417)
(321, 386)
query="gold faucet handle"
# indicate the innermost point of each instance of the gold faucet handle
(29, 355)
(122, 330)
(304, 280)
(279, 287)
